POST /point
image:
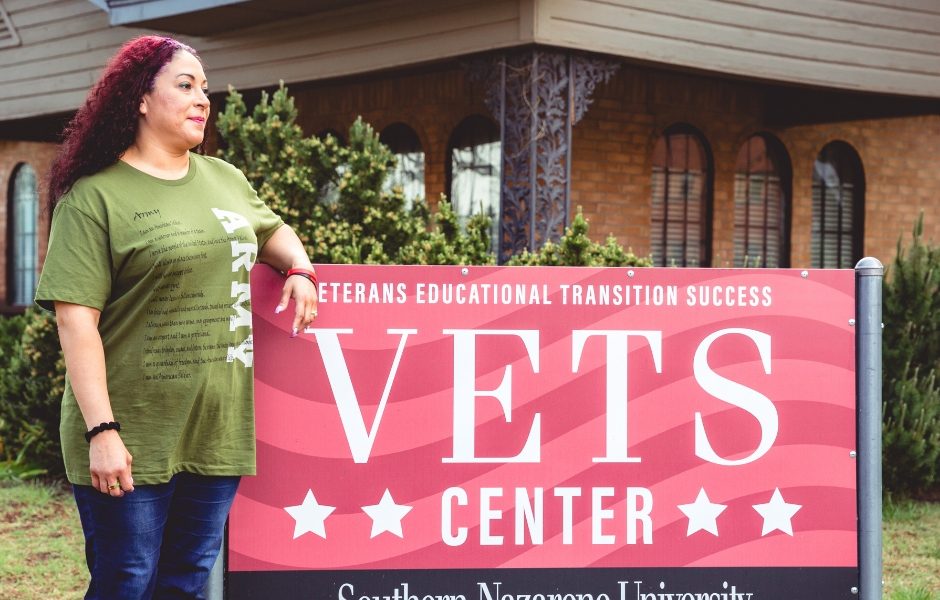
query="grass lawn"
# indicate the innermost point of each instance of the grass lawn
(41, 554)
(41, 545)
(912, 551)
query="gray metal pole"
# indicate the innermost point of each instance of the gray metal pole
(869, 275)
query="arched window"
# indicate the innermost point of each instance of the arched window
(408, 173)
(681, 207)
(23, 245)
(838, 207)
(762, 204)
(474, 159)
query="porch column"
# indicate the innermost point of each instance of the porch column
(536, 96)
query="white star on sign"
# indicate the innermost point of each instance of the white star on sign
(386, 515)
(310, 516)
(777, 514)
(702, 514)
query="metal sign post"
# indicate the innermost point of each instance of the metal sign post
(869, 274)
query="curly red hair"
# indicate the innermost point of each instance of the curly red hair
(106, 124)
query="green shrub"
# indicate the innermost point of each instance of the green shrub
(576, 249)
(911, 432)
(11, 331)
(19, 468)
(911, 351)
(444, 244)
(31, 384)
(912, 305)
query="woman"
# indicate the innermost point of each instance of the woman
(147, 272)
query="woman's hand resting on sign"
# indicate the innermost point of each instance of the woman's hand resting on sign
(304, 294)
(284, 251)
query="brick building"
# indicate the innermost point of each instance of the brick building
(702, 133)
(613, 145)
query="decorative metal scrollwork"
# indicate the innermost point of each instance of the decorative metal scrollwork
(537, 96)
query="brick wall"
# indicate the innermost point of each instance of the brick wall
(901, 158)
(613, 144)
(612, 147)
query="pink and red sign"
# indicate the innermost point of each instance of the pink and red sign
(494, 432)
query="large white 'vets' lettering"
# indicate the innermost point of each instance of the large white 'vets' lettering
(465, 394)
(734, 393)
(360, 441)
(617, 351)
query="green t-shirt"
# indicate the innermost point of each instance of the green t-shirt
(166, 263)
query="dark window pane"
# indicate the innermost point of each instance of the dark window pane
(25, 206)
(408, 172)
(761, 204)
(680, 200)
(838, 205)
(474, 161)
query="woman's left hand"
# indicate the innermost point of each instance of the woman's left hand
(304, 294)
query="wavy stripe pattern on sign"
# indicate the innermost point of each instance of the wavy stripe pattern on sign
(302, 444)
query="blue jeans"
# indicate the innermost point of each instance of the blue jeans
(159, 541)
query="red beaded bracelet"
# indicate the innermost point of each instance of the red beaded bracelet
(308, 274)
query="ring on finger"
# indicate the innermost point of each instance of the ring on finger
(114, 486)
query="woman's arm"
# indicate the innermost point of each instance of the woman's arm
(84, 361)
(284, 251)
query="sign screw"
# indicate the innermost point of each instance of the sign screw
(630, 273)
(465, 271)
(851, 322)
(804, 274)
(853, 453)
(854, 590)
